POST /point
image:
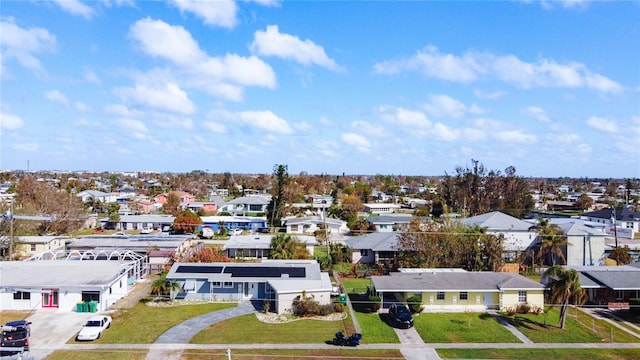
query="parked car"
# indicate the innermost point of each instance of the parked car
(15, 334)
(146, 230)
(236, 231)
(94, 327)
(400, 316)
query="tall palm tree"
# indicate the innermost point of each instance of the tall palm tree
(552, 240)
(564, 288)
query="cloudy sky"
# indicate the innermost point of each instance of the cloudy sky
(413, 88)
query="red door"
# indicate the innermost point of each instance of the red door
(49, 298)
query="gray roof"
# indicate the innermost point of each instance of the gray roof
(454, 281)
(251, 200)
(390, 219)
(38, 239)
(138, 243)
(613, 277)
(497, 221)
(43, 274)
(261, 241)
(160, 219)
(377, 241)
(313, 220)
(578, 229)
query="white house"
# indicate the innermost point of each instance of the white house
(380, 208)
(257, 246)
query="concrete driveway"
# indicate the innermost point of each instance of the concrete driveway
(51, 329)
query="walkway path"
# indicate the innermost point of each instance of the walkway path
(510, 327)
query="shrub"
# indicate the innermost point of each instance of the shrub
(374, 303)
(415, 304)
(337, 307)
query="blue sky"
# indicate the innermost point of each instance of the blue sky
(403, 88)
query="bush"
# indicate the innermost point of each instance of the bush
(337, 307)
(374, 303)
(306, 306)
(415, 304)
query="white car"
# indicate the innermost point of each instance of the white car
(146, 230)
(94, 328)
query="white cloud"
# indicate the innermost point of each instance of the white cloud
(121, 110)
(488, 95)
(537, 113)
(164, 120)
(357, 141)
(91, 77)
(441, 105)
(602, 124)
(404, 117)
(173, 43)
(82, 107)
(215, 127)
(55, 96)
(327, 148)
(303, 126)
(168, 96)
(131, 125)
(10, 121)
(75, 7)
(216, 13)
(515, 136)
(246, 71)
(265, 120)
(21, 44)
(26, 146)
(273, 43)
(473, 66)
(369, 129)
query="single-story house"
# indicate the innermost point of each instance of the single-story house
(257, 246)
(250, 223)
(626, 219)
(246, 204)
(390, 222)
(585, 244)
(277, 281)
(610, 284)
(201, 206)
(444, 290)
(26, 246)
(381, 208)
(28, 285)
(374, 248)
(138, 222)
(307, 225)
(183, 197)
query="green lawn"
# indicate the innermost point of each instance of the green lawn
(234, 331)
(462, 328)
(355, 285)
(97, 354)
(338, 353)
(536, 354)
(580, 328)
(374, 329)
(11, 315)
(143, 324)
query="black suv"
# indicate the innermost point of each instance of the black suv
(15, 334)
(400, 316)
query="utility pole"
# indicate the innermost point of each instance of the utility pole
(615, 227)
(11, 229)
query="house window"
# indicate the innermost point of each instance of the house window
(364, 252)
(440, 295)
(463, 295)
(21, 295)
(216, 284)
(619, 295)
(33, 247)
(228, 284)
(522, 296)
(629, 225)
(268, 289)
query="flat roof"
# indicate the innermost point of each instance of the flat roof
(454, 281)
(59, 273)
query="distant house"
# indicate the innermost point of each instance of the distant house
(138, 222)
(249, 223)
(27, 246)
(277, 281)
(209, 207)
(103, 197)
(258, 246)
(374, 248)
(585, 244)
(447, 290)
(307, 225)
(519, 235)
(627, 221)
(183, 197)
(390, 222)
(246, 205)
(380, 208)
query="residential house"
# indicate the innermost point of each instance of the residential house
(103, 197)
(585, 244)
(29, 285)
(183, 197)
(519, 235)
(258, 246)
(374, 248)
(448, 290)
(390, 222)
(609, 285)
(627, 220)
(27, 246)
(249, 223)
(380, 208)
(138, 222)
(201, 207)
(278, 281)
(308, 225)
(246, 205)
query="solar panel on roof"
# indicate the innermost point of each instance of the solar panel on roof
(270, 272)
(199, 269)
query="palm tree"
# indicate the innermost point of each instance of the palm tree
(173, 287)
(564, 288)
(159, 286)
(552, 240)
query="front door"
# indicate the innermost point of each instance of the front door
(250, 290)
(49, 298)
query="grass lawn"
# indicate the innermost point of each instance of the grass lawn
(536, 354)
(235, 331)
(143, 324)
(580, 328)
(374, 329)
(6, 316)
(338, 353)
(355, 285)
(462, 328)
(97, 354)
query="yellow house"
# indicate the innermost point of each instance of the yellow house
(27, 246)
(456, 290)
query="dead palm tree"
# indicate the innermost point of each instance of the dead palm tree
(564, 288)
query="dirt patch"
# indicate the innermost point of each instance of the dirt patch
(272, 318)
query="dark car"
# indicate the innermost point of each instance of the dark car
(400, 316)
(15, 335)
